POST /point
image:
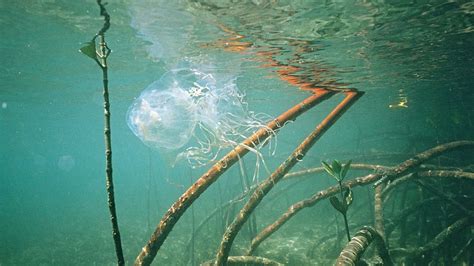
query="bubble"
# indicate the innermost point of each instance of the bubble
(195, 114)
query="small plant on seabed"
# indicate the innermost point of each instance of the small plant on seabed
(339, 172)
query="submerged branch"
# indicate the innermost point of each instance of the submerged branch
(353, 251)
(457, 174)
(403, 168)
(354, 166)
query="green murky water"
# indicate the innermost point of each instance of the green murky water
(413, 60)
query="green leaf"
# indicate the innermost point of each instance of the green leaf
(345, 169)
(348, 197)
(338, 205)
(336, 167)
(328, 169)
(89, 49)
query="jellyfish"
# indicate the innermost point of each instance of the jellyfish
(196, 115)
(163, 118)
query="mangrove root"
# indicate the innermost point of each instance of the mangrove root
(353, 251)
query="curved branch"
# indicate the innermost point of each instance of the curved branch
(457, 174)
(353, 251)
(444, 173)
(356, 166)
(406, 166)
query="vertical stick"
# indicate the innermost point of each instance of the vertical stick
(102, 55)
(108, 160)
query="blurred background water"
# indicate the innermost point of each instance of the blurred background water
(414, 60)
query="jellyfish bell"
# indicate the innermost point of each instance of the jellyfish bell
(166, 112)
(163, 116)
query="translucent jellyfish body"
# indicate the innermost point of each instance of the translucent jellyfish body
(163, 118)
(190, 112)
